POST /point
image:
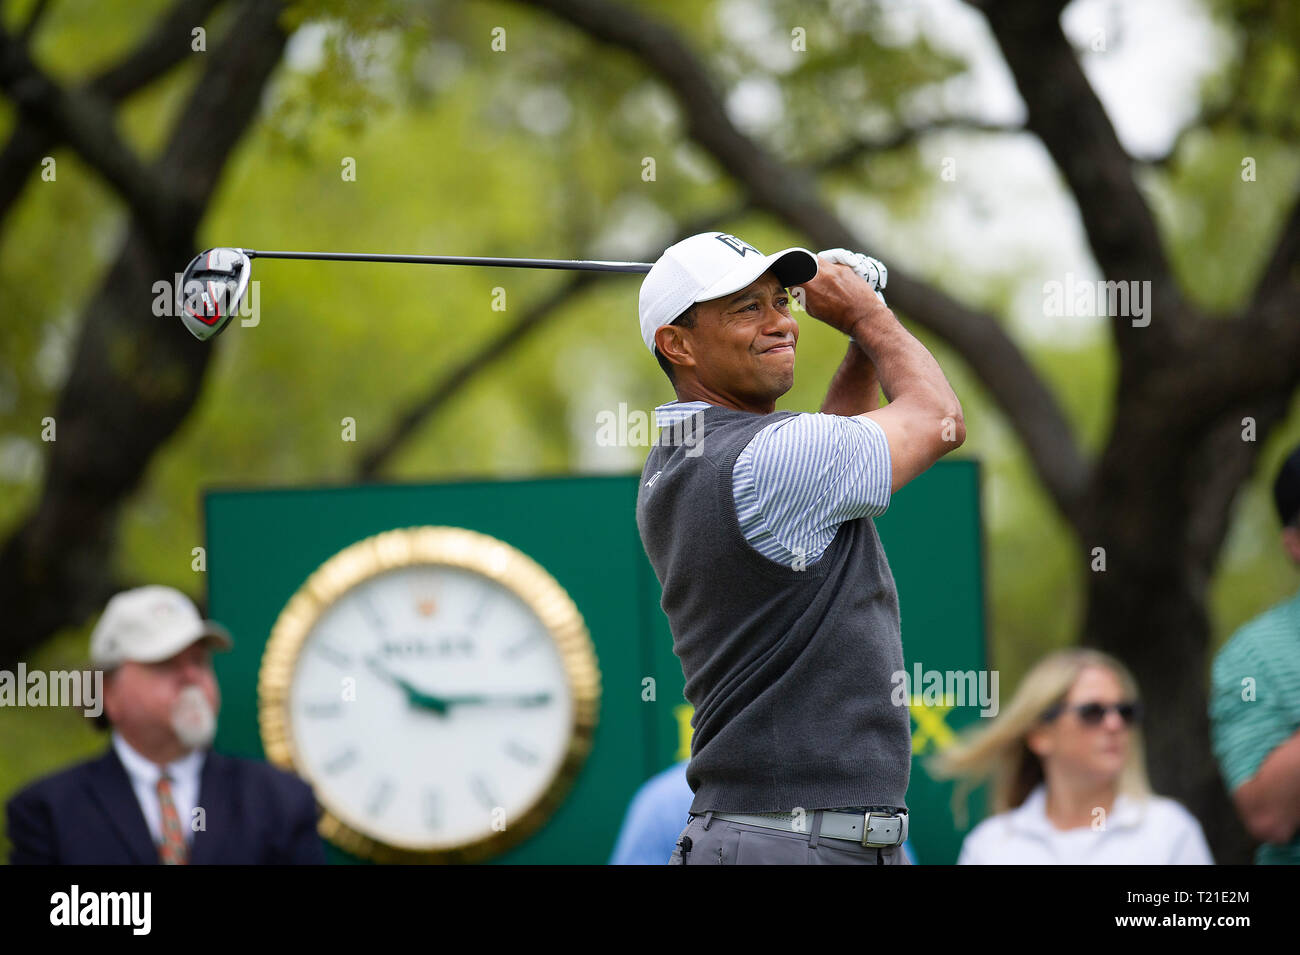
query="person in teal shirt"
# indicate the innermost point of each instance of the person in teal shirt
(1255, 705)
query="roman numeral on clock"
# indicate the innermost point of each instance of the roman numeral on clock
(520, 752)
(482, 792)
(380, 798)
(432, 805)
(342, 761)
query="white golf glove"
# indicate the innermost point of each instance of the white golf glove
(872, 270)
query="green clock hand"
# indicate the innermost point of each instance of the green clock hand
(414, 696)
(515, 699)
(442, 704)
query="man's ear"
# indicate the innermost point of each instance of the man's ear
(673, 344)
(109, 677)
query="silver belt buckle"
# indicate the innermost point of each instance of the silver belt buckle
(866, 830)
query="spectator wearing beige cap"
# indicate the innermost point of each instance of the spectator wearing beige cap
(159, 794)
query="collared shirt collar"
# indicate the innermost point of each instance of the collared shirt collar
(141, 768)
(667, 415)
(1031, 815)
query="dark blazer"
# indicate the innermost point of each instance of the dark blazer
(256, 814)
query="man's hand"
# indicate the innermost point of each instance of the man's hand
(923, 420)
(838, 296)
(873, 270)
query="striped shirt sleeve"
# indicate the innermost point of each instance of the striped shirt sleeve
(812, 472)
(1248, 716)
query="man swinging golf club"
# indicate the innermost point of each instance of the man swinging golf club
(758, 524)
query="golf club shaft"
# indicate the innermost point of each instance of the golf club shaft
(579, 265)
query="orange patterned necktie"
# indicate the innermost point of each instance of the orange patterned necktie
(173, 850)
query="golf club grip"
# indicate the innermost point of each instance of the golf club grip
(576, 265)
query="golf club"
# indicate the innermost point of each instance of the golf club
(213, 284)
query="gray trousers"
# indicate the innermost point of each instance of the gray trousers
(710, 841)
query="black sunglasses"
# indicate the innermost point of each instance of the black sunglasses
(1092, 714)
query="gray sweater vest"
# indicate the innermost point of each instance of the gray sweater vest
(789, 670)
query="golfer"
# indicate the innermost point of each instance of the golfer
(758, 525)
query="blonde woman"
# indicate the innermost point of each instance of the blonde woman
(1068, 775)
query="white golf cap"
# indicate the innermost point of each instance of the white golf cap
(708, 266)
(149, 624)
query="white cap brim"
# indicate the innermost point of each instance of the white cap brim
(167, 646)
(708, 266)
(792, 266)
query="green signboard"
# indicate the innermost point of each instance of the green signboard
(264, 544)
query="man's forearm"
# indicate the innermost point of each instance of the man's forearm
(855, 389)
(1269, 802)
(904, 366)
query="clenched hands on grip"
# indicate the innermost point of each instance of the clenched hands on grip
(923, 420)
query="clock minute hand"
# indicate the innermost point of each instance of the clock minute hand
(414, 695)
(506, 699)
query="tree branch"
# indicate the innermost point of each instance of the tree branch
(166, 44)
(905, 136)
(34, 18)
(498, 347)
(1272, 305)
(1065, 113)
(791, 196)
(86, 123)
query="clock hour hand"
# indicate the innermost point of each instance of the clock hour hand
(414, 695)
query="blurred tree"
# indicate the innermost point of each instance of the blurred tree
(468, 150)
(133, 380)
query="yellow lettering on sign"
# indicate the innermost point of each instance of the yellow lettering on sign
(930, 726)
(683, 712)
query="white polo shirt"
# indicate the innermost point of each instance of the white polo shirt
(1155, 831)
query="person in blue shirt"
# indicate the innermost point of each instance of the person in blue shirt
(655, 818)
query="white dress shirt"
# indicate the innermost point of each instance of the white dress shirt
(1155, 831)
(144, 775)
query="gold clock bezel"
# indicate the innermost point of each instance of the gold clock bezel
(415, 546)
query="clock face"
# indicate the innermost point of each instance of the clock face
(426, 700)
(435, 696)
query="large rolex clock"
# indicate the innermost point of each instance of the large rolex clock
(437, 688)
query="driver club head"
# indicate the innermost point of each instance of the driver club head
(211, 288)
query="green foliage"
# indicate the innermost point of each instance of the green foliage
(539, 151)
(1218, 227)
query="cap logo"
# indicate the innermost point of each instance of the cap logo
(739, 246)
